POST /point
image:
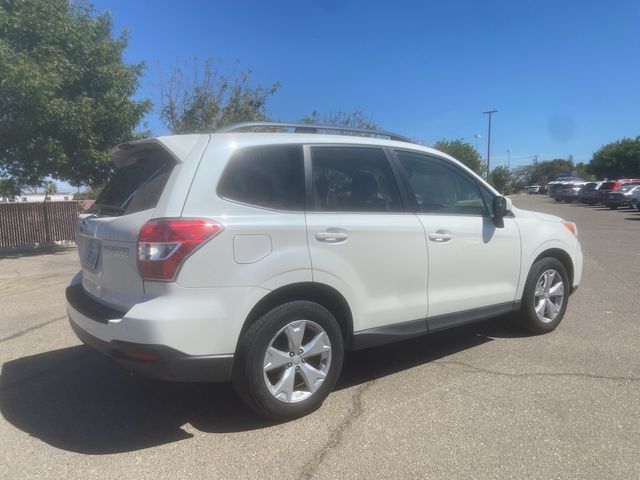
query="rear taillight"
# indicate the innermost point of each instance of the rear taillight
(164, 244)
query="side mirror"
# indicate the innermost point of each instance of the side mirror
(501, 207)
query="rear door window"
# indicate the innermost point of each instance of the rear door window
(353, 179)
(266, 176)
(134, 187)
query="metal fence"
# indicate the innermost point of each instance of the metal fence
(37, 224)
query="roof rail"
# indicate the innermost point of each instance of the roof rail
(309, 128)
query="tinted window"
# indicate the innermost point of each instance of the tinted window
(266, 176)
(134, 187)
(352, 179)
(440, 187)
(607, 186)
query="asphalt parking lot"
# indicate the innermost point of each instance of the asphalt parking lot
(482, 401)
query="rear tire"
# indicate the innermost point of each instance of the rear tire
(274, 375)
(545, 296)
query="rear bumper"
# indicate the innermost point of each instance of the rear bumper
(616, 202)
(148, 359)
(159, 361)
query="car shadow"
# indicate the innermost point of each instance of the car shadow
(76, 400)
(366, 365)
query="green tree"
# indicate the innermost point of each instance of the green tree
(548, 170)
(501, 179)
(9, 188)
(582, 170)
(620, 159)
(342, 118)
(65, 92)
(89, 194)
(522, 176)
(199, 97)
(50, 187)
(463, 152)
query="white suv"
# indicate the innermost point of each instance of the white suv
(261, 256)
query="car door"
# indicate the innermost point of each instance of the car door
(362, 240)
(474, 265)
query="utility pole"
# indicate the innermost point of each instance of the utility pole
(477, 136)
(509, 159)
(490, 113)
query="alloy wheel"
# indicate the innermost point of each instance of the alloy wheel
(297, 361)
(549, 296)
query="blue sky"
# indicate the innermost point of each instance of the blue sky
(563, 75)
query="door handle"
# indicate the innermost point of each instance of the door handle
(440, 236)
(331, 237)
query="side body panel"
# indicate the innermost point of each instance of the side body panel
(381, 268)
(478, 267)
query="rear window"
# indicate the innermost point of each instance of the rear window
(266, 176)
(628, 186)
(353, 179)
(607, 186)
(134, 187)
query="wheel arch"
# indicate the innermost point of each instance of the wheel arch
(315, 292)
(563, 257)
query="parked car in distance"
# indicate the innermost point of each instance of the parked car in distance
(620, 197)
(536, 189)
(569, 191)
(611, 186)
(593, 197)
(554, 187)
(261, 256)
(634, 201)
(586, 190)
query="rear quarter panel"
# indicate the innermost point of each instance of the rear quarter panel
(257, 248)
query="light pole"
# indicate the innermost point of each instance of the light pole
(509, 159)
(490, 113)
(477, 136)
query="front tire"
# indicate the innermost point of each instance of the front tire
(289, 360)
(545, 296)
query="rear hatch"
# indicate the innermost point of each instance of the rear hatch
(107, 233)
(605, 188)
